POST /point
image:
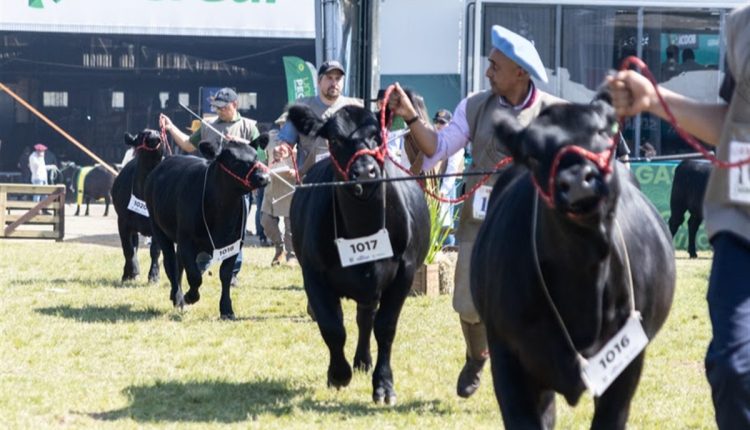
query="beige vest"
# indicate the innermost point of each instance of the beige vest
(278, 196)
(311, 147)
(721, 213)
(485, 153)
(244, 128)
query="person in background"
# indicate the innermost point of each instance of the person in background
(448, 184)
(513, 60)
(230, 125)
(688, 61)
(311, 149)
(279, 196)
(670, 67)
(726, 208)
(38, 168)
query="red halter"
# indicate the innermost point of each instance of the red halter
(246, 180)
(603, 161)
(145, 147)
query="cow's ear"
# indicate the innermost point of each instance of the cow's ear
(130, 140)
(507, 130)
(209, 149)
(304, 119)
(260, 141)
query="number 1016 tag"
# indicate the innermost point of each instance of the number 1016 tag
(364, 249)
(604, 367)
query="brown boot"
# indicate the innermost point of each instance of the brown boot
(278, 256)
(476, 355)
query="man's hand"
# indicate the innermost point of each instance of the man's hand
(631, 93)
(165, 122)
(400, 104)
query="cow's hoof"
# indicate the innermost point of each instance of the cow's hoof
(362, 364)
(178, 301)
(339, 378)
(380, 396)
(192, 296)
(153, 279)
(693, 255)
(228, 317)
(128, 278)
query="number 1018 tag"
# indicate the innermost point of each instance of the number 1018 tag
(604, 367)
(364, 249)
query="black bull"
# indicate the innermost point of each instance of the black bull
(321, 215)
(581, 271)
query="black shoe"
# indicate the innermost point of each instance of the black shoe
(469, 378)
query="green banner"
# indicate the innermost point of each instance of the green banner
(300, 78)
(656, 184)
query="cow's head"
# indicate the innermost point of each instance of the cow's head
(353, 136)
(147, 141)
(567, 149)
(239, 161)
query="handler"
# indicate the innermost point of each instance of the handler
(513, 62)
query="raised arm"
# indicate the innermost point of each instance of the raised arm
(181, 139)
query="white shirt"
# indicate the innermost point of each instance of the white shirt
(37, 166)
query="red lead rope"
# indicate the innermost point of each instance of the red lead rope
(627, 62)
(246, 180)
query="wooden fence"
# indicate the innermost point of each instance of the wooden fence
(21, 218)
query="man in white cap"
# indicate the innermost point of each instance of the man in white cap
(310, 150)
(513, 61)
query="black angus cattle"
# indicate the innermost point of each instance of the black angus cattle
(198, 205)
(128, 200)
(552, 281)
(97, 184)
(688, 189)
(322, 216)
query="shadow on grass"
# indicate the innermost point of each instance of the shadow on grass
(225, 402)
(210, 401)
(98, 314)
(112, 240)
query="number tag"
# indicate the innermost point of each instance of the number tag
(138, 206)
(222, 254)
(479, 204)
(364, 249)
(606, 365)
(322, 156)
(739, 177)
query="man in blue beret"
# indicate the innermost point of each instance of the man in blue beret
(513, 62)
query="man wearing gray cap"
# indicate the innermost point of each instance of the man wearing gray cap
(231, 125)
(513, 61)
(310, 150)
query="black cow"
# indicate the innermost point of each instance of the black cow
(320, 216)
(198, 204)
(545, 275)
(128, 200)
(688, 189)
(96, 185)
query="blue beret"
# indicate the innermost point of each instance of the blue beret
(520, 50)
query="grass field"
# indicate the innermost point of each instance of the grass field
(79, 350)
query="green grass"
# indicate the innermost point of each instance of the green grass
(81, 351)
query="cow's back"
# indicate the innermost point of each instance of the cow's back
(98, 183)
(689, 186)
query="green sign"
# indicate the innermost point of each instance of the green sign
(300, 79)
(38, 4)
(656, 184)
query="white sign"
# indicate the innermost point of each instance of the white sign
(606, 365)
(364, 249)
(739, 177)
(480, 201)
(138, 206)
(225, 18)
(222, 254)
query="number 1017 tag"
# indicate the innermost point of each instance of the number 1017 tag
(607, 364)
(364, 249)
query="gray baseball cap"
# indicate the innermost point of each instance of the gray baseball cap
(223, 97)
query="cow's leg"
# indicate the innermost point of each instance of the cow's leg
(88, 203)
(611, 410)
(186, 256)
(78, 210)
(171, 266)
(130, 270)
(330, 318)
(693, 224)
(107, 201)
(386, 319)
(153, 271)
(365, 320)
(676, 217)
(522, 403)
(225, 275)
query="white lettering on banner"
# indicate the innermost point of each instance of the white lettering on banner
(364, 249)
(222, 254)
(739, 177)
(138, 206)
(480, 202)
(323, 156)
(299, 88)
(607, 364)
